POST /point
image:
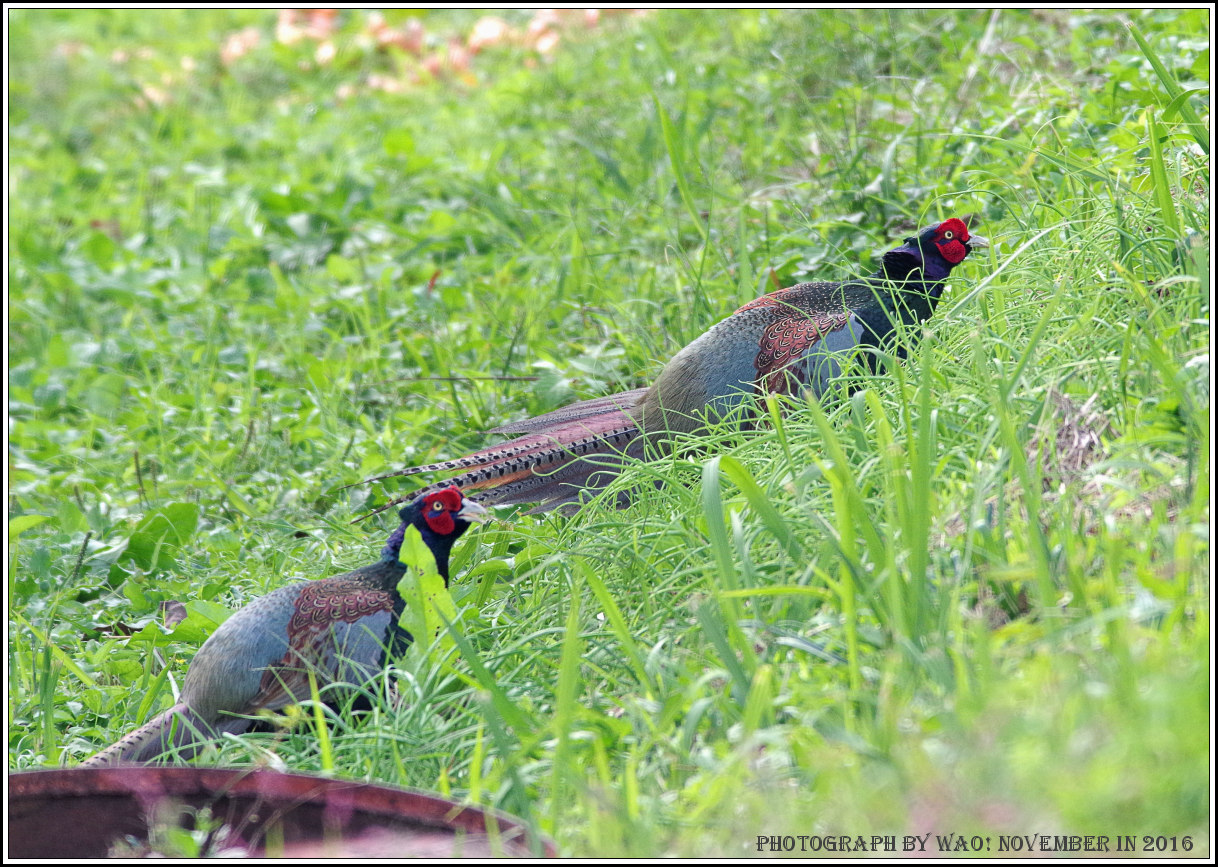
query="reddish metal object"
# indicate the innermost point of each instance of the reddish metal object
(87, 812)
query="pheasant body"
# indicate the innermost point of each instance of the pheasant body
(343, 630)
(790, 341)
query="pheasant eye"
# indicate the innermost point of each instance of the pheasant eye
(437, 506)
(947, 236)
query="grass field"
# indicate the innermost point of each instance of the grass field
(249, 266)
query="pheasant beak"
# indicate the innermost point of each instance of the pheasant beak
(471, 511)
(976, 241)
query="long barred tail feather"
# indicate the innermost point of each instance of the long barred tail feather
(577, 447)
(555, 425)
(612, 404)
(574, 483)
(178, 728)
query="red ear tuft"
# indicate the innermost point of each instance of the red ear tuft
(951, 237)
(956, 227)
(438, 510)
(450, 497)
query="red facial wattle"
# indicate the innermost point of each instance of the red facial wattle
(439, 508)
(952, 240)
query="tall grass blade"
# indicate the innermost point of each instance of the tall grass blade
(565, 697)
(1158, 175)
(676, 156)
(621, 630)
(760, 502)
(506, 708)
(1175, 93)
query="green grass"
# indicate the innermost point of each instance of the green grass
(970, 598)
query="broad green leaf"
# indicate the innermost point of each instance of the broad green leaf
(18, 525)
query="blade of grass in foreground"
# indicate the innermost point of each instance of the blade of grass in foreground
(759, 501)
(620, 630)
(1176, 94)
(566, 694)
(1158, 174)
(677, 157)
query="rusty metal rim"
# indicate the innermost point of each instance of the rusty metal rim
(391, 802)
